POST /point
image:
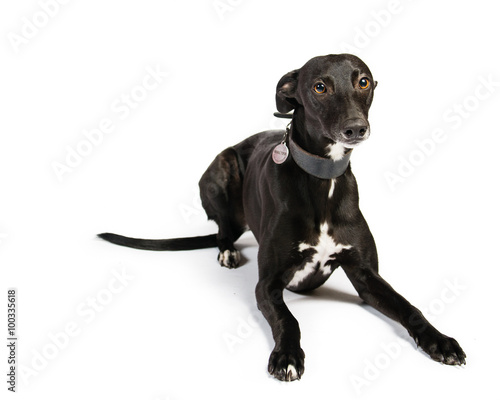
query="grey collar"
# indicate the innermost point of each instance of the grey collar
(320, 167)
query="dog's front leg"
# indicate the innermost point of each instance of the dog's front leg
(380, 295)
(287, 359)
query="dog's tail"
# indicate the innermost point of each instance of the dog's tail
(189, 243)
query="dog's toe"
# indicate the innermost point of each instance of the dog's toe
(229, 258)
(442, 348)
(287, 365)
(291, 373)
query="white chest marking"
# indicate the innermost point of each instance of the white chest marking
(332, 187)
(326, 248)
(336, 152)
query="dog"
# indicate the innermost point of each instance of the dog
(295, 191)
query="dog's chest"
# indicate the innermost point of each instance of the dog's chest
(318, 261)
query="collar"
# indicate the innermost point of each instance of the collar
(320, 167)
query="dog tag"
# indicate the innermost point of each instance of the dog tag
(280, 153)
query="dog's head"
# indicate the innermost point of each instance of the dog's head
(333, 94)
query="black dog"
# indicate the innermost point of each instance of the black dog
(303, 208)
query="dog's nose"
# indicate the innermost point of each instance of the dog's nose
(354, 128)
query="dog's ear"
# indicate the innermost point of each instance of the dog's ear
(285, 92)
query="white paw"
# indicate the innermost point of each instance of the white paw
(291, 373)
(229, 259)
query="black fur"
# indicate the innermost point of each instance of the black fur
(189, 243)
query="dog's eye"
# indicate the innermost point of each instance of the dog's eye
(364, 83)
(320, 88)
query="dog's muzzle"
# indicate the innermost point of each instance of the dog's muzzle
(354, 131)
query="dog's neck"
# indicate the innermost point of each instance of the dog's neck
(308, 153)
(319, 167)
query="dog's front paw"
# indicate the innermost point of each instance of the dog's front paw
(287, 365)
(441, 348)
(229, 258)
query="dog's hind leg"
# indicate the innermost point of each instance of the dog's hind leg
(221, 189)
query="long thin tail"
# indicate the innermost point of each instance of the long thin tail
(189, 243)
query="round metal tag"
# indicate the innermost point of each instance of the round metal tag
(280, 153)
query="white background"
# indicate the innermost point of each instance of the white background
(164, 333)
